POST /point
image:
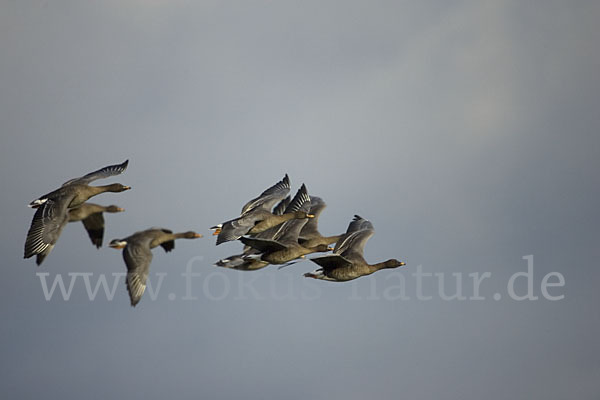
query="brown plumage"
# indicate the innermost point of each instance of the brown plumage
(137, 255)
(52, 216)
(242, 262)
(284, 246)
(276, 252)
(256, 215)
(347, 261)
(270, 221)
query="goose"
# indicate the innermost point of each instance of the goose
(52, 216)
(137, 255)
(256, 216)
(347, 261)
(90, 215)
(284, 246)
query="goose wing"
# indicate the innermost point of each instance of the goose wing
(94, 225)
(263, 245)
(311, 229)
(358, 233)
(137, 256)
(159, 236)
(238, 227)
(331, 262)
(269, 197)
(279, 209)
(288, 231)
(48, 222)
(102, 173)
(281, 206)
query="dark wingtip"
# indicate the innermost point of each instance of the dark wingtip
(123, 165)
(305, 191)
(133, 301)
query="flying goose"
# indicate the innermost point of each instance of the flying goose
(347, 261)
(137, 255)
(51, 215)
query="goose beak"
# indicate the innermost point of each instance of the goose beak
(216, 232)
(198, 235)
(119, 209)
(329, 248)
(127, 187)
(310, 216)
(116, 245)
(402, 263)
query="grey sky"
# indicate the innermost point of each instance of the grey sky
(467, 132)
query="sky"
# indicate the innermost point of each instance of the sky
(466, 132)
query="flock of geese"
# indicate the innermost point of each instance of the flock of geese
(274, 229)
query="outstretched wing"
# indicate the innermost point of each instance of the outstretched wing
(288, 231)
(102, 173)
(269, 197)
(300, 202)
(137, 258)
(46, 227)
(281, 206)
(358, 233)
